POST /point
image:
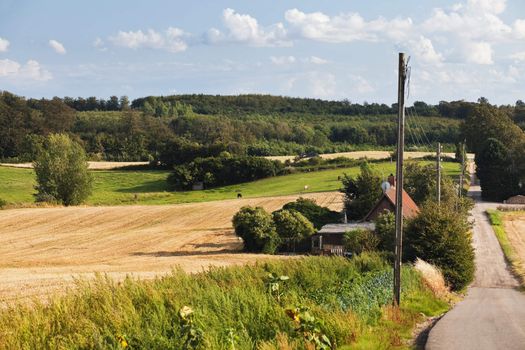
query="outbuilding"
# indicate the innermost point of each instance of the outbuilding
(329, 239)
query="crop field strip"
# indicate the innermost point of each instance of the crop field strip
(43, 249)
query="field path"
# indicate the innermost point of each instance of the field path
(43, 250)
(492, 315)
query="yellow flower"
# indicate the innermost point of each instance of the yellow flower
(122, 341)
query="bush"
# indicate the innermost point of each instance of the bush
(441, 236)
(386, 231)
(3, 203)
(292, 227)
(318, 216)
(361, 240)
(62, 171)
(257, 230)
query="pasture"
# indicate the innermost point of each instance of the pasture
(117, 187)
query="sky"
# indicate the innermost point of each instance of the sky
(331, 49)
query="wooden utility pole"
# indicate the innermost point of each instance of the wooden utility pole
(399, 176)
(438, 168)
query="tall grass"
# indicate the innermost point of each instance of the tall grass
(232, 306)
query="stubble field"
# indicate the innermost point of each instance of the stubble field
(43, 250)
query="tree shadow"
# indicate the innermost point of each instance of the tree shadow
(145, 187)
(167, 254)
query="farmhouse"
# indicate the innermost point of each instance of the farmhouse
(388, 202)
(329, 240)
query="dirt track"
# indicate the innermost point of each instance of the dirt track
(42, 249)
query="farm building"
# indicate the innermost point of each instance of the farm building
(388, 202)
(519, 199)
(329, 240)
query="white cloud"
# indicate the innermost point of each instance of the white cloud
(478, 53)
(282, 60)
(58, 47)
(29, 71)
(477, 20)
(245, 28)
(361, 85)
(519, 28)
(4, 45)
(345, 27)
(322, 84)
(518, 56)
(423, 51)
(99, 44)
(316, 60)
(171, 40)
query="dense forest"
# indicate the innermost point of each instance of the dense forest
(177, 129)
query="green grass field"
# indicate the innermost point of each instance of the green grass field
(116, 187)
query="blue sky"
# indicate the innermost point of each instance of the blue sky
(334, 49)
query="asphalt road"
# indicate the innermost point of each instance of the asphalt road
(492, 315)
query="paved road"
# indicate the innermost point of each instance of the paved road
(492, 315)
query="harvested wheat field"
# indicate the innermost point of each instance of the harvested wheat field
(514, 224)
(43, 250)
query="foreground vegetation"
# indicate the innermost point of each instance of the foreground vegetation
(496, 220)
(290, 304)
(116, 187)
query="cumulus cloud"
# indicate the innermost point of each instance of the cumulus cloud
(346, 27)
(282, 60)
(423, 50)
(4, 44)
(478, 53)
(171, 40)
(519, 28)
(29, 71)
(57, 46)
(245, 28)
(316, 60)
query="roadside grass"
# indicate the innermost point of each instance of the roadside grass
(234, 307)
(497, 218)
(118, 187)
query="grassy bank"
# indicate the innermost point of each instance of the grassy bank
(496, 220)
(234, 308)
(115, 187)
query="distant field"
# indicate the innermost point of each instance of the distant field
(514, 225)
(115, 187)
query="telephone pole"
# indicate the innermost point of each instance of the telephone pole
(399, 176)
(438, 168)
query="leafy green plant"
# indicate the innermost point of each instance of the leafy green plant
(309, 327)
(190, 332)
(275, 284)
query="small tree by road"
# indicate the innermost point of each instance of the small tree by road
(62, 171)
(257, 230)
(292, 226)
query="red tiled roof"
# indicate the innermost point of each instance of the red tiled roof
(410, 208)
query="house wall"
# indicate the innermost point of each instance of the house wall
(382, 206)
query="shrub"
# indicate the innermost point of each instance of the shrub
(360, 240)
(3, 203)
(257, 230)
(441, 236)
(386, 231)
(318, 215)
(292, 227)
(62, 171)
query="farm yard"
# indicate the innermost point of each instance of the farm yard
(43, 250)
(117, 187)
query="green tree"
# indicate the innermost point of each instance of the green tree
(498, 178)
(441, 236)
(62, 171)
(362, 192)
(361, 240)
(316, 214)
(292, 226)
(386, 231)
(256, 228)
(420, 181)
